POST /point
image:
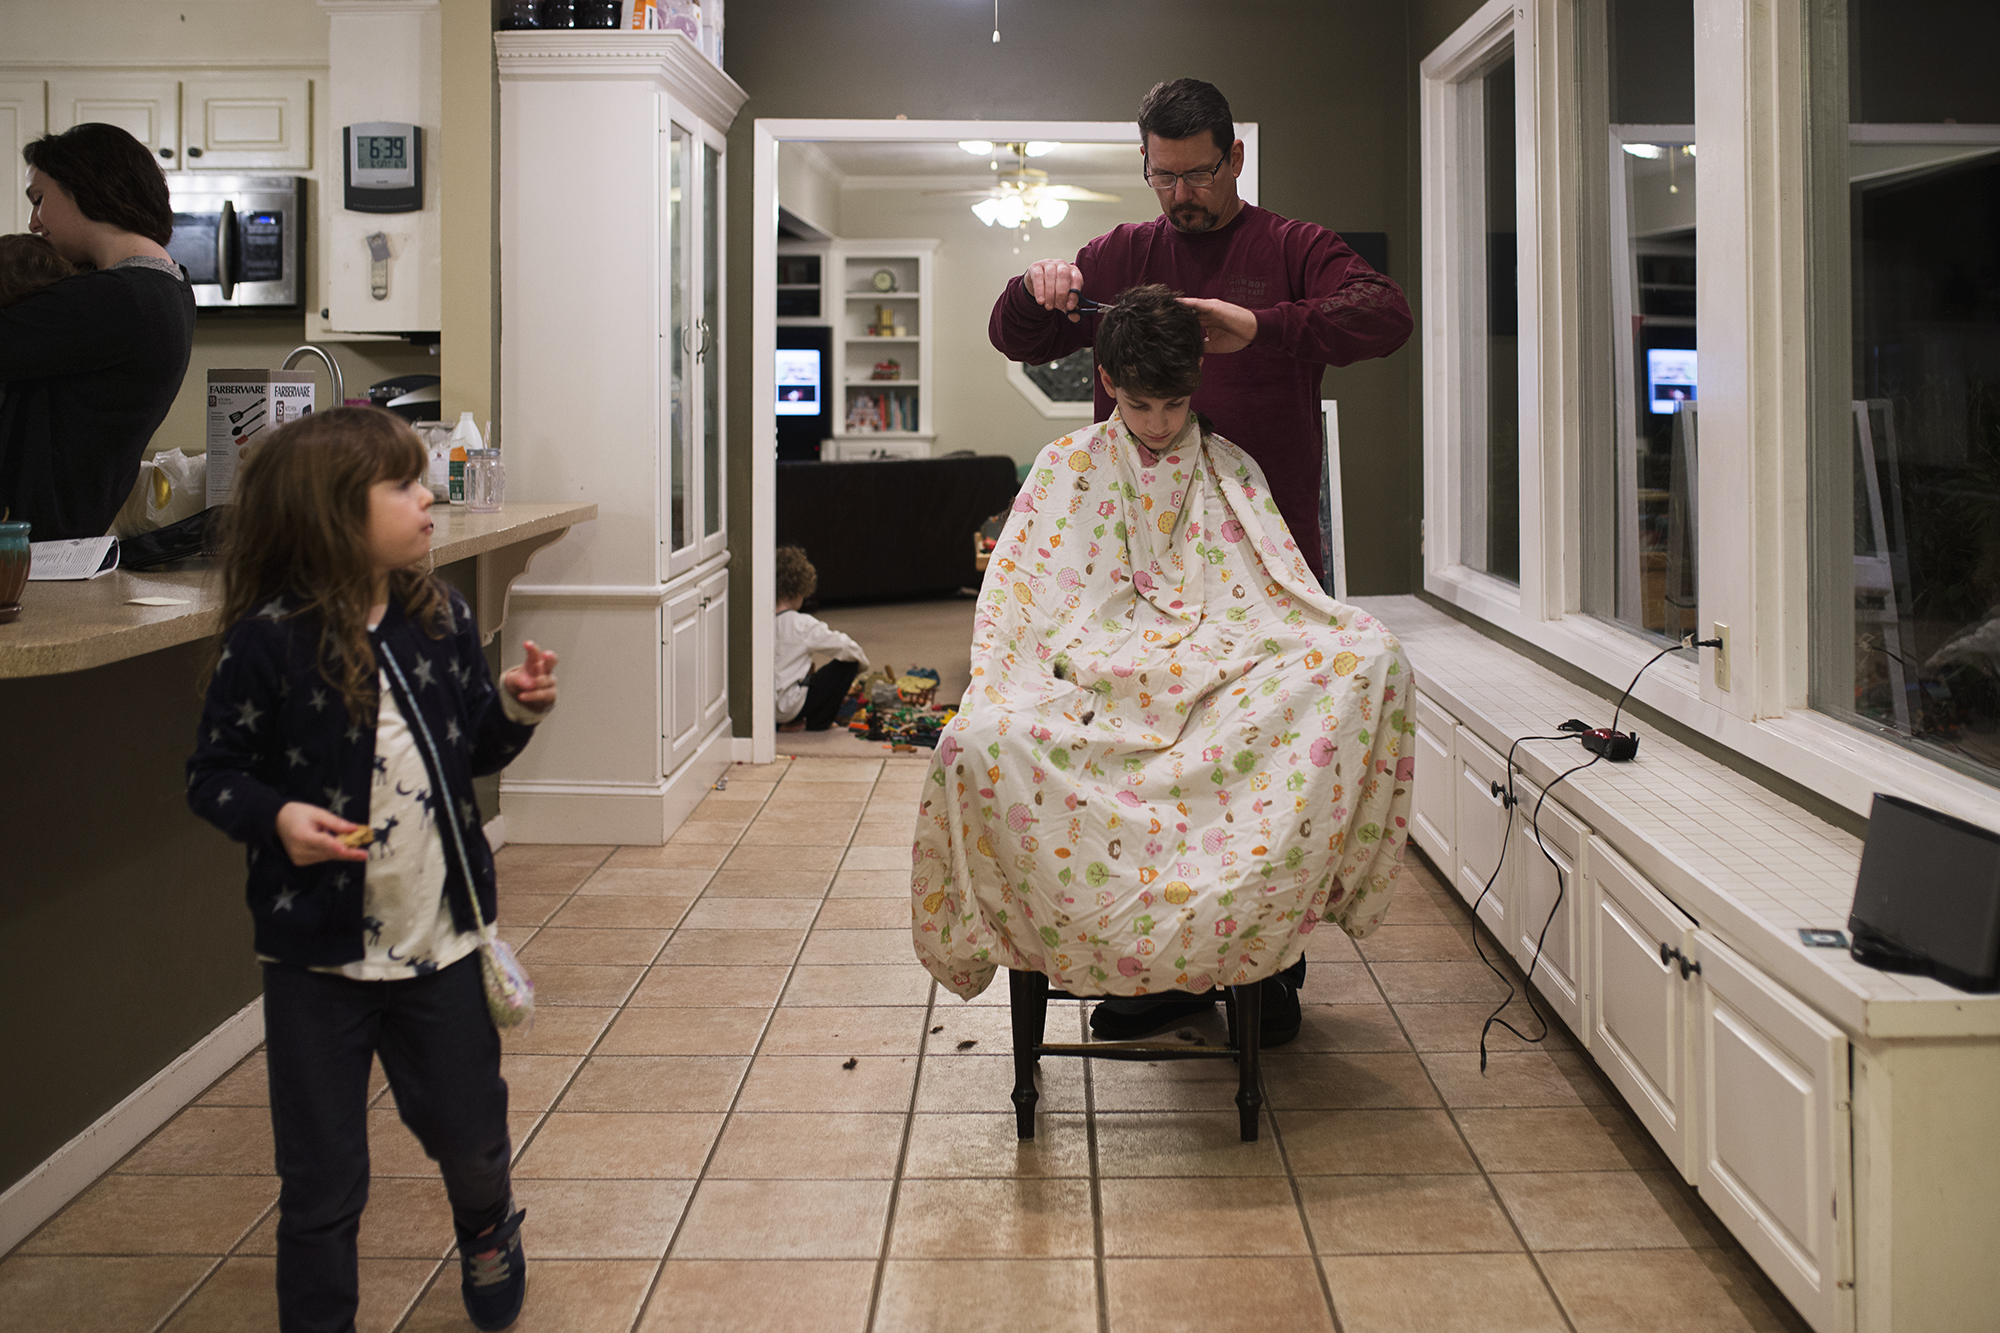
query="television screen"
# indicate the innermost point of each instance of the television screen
(798, 382)
(1670, 378)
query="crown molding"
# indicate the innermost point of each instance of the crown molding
(668, 59)
(1109, 184)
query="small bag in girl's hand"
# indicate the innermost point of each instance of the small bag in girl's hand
(510, 995)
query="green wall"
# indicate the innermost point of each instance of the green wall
(1329, 83)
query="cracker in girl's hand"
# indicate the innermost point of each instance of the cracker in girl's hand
(360, 837)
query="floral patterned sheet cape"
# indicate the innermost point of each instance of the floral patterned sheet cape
(1178, 756)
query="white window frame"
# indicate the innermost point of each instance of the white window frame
(1755, 291)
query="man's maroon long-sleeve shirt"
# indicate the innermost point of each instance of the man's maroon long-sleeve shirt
(1317, 304)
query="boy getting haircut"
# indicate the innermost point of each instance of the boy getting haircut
(1151, 344)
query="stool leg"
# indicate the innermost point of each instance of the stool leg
(1249, 1029)
(1229, 1013)
(1028, 1007)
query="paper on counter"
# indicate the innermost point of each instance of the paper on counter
(76, 558)
(156, 601)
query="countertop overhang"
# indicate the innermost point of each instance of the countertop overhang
(73, 626)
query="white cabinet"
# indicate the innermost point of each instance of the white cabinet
(694, 627)
(1479, 875)
(612, 388)
(146, 106)
(1773, 1138)
(880, 303)
(1436, 794)
(23, 116)
(1548, 934)
(243, 122)
(1640, 1005)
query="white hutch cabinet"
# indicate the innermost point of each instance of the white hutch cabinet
(612, 387)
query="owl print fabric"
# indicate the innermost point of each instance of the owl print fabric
(1178, 756)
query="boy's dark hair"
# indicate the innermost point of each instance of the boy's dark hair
(796, 576)
(29, 263)
(1183, 109)
(1151, 344)
(110, 175)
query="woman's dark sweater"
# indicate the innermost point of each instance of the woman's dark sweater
(91, 366)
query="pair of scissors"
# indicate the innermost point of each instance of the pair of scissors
(1085, 306)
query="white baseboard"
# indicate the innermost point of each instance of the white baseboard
(743, 750)
(36, 1197)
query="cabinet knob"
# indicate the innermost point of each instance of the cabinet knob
(1670, 956)
(166, 152)
(194, 152)
(705, 601)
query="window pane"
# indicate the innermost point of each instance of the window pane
(1490, 446)
(1906, 561)
(1640, 478)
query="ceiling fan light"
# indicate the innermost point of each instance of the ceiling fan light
(977, 147)
(1010, 210)
(1049, 212)
(987, 211)
(1649, 151)
(1036, 147)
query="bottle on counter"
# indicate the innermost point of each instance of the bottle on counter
(464, 439)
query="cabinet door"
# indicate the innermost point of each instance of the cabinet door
(680, 678)
(1773, 1157)
(713, 700)
(678, 339)
(247, 123)
(23, 116)
(710, 349)
(1639, 1005)
(1550, 898)
(146, 108)
(1435, 796)
(1480, 786)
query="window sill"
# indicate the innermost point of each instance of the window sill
(1841, 763)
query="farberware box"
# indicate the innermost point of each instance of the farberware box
(242, 405)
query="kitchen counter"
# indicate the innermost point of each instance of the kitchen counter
(73, 626)
(123, 913)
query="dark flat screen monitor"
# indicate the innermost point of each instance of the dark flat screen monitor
(1928, 896)
(805, 389)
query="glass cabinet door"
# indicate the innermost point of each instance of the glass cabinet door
(677, 341)
(711, 351)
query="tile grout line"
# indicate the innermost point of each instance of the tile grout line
(193, 1291)
(1299, 1201)
(902, 1160)
(1451, 1114)
(1096, 1181)
(763, 1033)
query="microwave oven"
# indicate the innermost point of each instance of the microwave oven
(240, 238)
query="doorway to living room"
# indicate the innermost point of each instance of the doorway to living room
(874, 274)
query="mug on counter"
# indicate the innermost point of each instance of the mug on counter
(15, 559)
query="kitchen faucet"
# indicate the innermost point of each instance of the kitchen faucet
(332, 368)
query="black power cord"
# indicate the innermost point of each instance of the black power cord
(1610, 744)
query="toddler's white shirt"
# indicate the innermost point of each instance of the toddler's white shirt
(795, 639)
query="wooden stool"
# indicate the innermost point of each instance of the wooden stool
(1028, 1006)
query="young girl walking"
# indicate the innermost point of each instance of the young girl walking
(350, 685)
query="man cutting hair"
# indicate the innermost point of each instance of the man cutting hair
(1279, 301)
(1283, 298)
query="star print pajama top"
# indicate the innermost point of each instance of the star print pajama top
(1178, 756)
(273, 730)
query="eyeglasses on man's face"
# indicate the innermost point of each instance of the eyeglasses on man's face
(1199, 179)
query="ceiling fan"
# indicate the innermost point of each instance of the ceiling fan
(1024, 192)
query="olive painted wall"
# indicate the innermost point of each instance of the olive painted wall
(1327, 82)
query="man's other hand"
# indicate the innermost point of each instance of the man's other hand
(1224, 327)
(1056, 284)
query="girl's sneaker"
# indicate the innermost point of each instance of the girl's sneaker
(494, 1274)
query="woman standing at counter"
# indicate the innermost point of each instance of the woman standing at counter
(91, 363)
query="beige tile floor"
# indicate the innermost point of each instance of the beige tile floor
(744, 1107)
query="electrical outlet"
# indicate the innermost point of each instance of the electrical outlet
(1721, 631)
